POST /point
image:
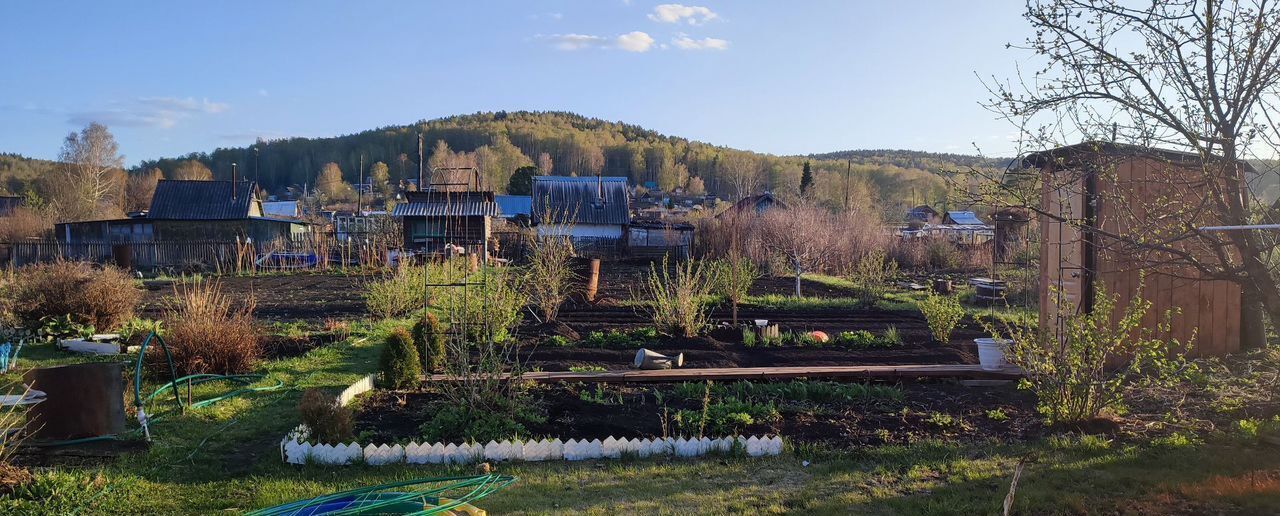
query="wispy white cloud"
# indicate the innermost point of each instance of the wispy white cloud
(677, 13)
(684, 42)
(634, 41)
(156, 112)
(576, 41)
(188, 105)
(549, 16)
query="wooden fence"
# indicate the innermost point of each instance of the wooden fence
(221, 256)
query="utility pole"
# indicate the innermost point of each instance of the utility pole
(360, 188)
(848, 168)
(421, 163)
(257, 173)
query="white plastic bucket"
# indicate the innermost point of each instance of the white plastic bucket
(991, 353)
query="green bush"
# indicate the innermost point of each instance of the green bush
(399, 362)
(725, 417)
(943, 313)
(428, 336)
(556, 341)
(399, 294)
(1084, 370)
(863, 339)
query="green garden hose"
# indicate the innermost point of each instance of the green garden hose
(245, 380)
(411, 497)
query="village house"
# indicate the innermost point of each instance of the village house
(435, 219)
(593, 211)
(190, 211)
(754, 205)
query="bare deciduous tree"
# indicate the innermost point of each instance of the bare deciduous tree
(800, 235)
(139, 189)
(1196, 76)
(743, 173)
(191, 170)
(92, 166)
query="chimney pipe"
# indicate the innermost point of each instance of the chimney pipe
(233, 181)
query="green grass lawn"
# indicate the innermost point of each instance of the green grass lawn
(226, 457)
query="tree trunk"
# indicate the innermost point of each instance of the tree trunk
(1260, 294)
(735, 312)
(798, 272)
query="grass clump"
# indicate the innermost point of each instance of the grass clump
(943, 313)
(399, 363)
(206, 333)
(329, 422)
(100, 297)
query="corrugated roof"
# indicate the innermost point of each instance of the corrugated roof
(512, 205)
(581, 200)
(966, 218)
(447, 204)
(200, 200)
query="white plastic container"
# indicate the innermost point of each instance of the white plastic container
(991, 353)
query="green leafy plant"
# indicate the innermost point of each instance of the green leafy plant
(135, 330)
(1082, 372)
(748, 337)
(429, 337)
(399, 293)
(872, 274)
(892, 337)
(863, 339)
(453, 422)
(556, 341)
(63, 327)
(399, 362)
(997, 414)
(943, 313)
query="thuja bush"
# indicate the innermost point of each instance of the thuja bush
(943, 313)
(1082, 372)
(102, 297)
(428, 335)
(399, 362)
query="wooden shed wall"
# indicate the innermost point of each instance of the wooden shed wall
(1209, 310)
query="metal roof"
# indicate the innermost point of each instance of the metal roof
(200, 200)
(512, 205)
(447, 204)
(581, 200)
(964, 218)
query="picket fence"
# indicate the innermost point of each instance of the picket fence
(296, 449)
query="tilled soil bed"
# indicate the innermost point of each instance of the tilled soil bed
(934, 410)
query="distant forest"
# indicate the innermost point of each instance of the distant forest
(562, 143)
(570, 144)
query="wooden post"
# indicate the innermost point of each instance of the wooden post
(593, 279)
(473, 261)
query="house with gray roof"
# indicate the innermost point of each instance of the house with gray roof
(434, 219)
(594, 211)
(189, 211)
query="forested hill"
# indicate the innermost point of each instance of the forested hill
(18, 171)
(567, 143)
(914, 159)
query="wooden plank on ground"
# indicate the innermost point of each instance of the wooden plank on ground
(898, 372)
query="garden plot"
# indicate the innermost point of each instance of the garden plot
(804, 412)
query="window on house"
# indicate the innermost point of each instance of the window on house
(425, 229)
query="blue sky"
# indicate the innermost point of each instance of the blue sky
(790, 77)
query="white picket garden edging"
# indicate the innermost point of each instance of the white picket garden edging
(296, 452)
(295, 449)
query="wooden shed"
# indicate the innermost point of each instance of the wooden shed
(1099, 203)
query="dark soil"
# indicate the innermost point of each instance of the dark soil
(929, 410)
(285, 298)
(276, 347)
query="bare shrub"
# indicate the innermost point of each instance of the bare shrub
(24, 224)
(12, 420)
(549, 275)
(677, 301)
(102, 297)
(206, 333)
(329, 422)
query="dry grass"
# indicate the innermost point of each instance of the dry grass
(24, 224)
(102, 297)
(207, 333)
